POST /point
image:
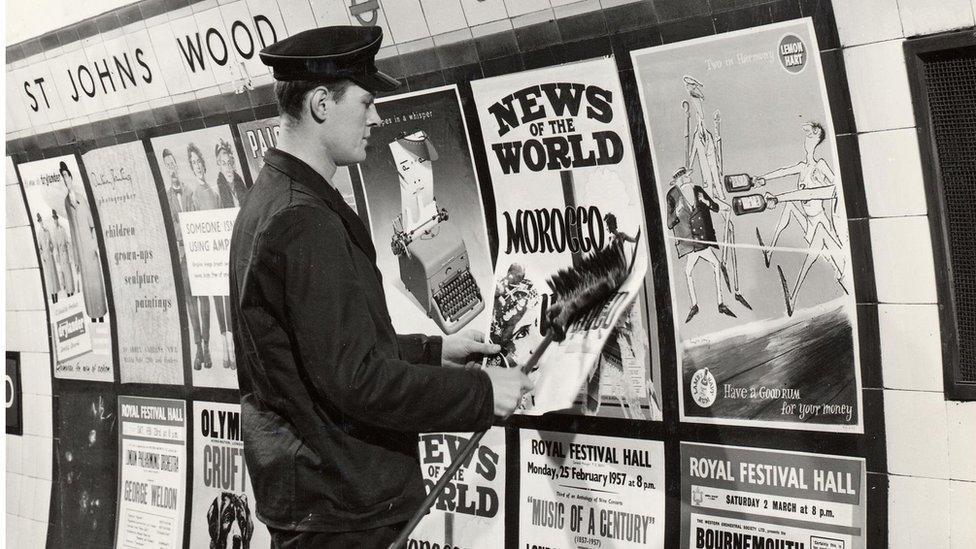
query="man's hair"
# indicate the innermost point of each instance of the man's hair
(63, 168)
(291, 94)
(167, 152)
(823, 133)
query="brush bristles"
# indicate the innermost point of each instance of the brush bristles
(578, 289)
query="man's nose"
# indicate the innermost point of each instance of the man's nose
(372, 117)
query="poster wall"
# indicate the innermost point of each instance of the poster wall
(471, 510)
(152, 472)
(425, 209)
(733, 496)
(221, 515)
(565, 184)
(86, 455)
(752, 209)
(202, 181)
(69, 247)
(139, 264)
(590, 491)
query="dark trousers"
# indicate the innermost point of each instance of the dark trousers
(376, 538)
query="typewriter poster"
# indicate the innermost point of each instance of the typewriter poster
(590, 491)
(152, 472)
(204, 186)
(423, 202)
(222, 512)
(565, 184)
(471, 510)
(139, 264)
(747, 497)
(69, 246)
(752, 210)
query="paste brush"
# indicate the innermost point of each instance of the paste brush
(578, 291)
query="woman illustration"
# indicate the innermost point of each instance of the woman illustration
(45, 247)
(230, 184)
(85, 246)
(205, 197)
(63, 258)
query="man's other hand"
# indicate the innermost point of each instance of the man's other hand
(507, 385)
(466, 347)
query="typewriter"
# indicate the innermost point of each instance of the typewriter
(432, 256)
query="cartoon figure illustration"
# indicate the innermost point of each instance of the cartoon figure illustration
(705, 147)
(690, 218)
(514, 296)
(812, 205)
(85, 245)
(229, 522)
(46, 249)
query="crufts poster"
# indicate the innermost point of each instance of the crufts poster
(590, 491)
(68, 239)
(755, 229)
(222, 513)
(202, 181)
(747, 497)
(86, 451)
(470, 512)
(424, 205)
(152, 472)
(139, 264)
(258, 136)
(565, 184)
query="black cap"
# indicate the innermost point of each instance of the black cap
(328, 53)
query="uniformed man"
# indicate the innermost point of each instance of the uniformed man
(332, 398)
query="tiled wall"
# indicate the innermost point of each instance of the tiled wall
(931, 444)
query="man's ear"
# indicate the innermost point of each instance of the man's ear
(320, 102)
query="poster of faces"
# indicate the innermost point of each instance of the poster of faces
(203, 185)
(69, 244)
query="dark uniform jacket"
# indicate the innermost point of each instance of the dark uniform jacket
(332, 398)
(691, 221)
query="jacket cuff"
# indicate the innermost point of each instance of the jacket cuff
(433, 349)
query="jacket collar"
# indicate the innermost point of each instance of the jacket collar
(304, 176)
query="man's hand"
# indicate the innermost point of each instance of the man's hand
(461, 349)
(507, 386)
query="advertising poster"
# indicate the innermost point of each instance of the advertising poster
(590, 491)
(86, 455)
(14, 395)
(752, 210)
(257, 136)
(202, 181)
(139, 264)
(424, 205)
(471, 510)
(152, 472)
(222, 513)
(565, 184)
(746, 497)
(69, 245)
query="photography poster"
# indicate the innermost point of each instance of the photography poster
(67, 238)
(202, 181)
(587, 491)
(222, 512)
(419, 166)
(139, 264)
(565, 184)
(752, 209)
(471, 510)
(152, 472)
(747, 497)
(257, 136)
(86, 454)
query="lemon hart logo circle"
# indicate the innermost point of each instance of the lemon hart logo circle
(792, 53)
(365, 11)
(703, 388)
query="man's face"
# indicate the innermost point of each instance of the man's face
(347, 126)
(170, 162)
(812, 138)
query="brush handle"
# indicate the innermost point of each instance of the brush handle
(466, 452)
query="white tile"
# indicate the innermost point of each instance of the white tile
(12, 499)
(478, 12)
(216, 49)
(521, 7)
(918, 513)
(453, 37)
(16, 208)
(12, 529)
(296, 14)
(39, 462)
(962, 504)
(156, 87)
(879, 89)
(892, 167)
(42, 500)
(14, 453)
(962, 440)
(21, 253)
(917, 434)
(494, 27)
(35, 373)
(406, 19)
(904, 270)
(327, 13)
(443, 15)
(921, 17)
(38, 532)
(25, 506)
(169, 57)
(532, 18)
(24, 290)
(569, 8)
(26, 331)
(37, 416)
(911, 347)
